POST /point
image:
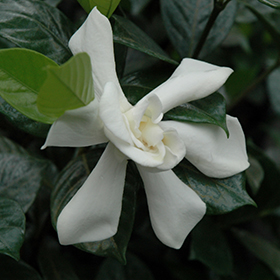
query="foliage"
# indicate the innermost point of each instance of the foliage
(238, 238)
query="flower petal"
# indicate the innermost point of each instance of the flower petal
(193, 79)
(174, 207)
(96, 39)
(210, 150)
(77, 128)
(111, 114)
(93, 212)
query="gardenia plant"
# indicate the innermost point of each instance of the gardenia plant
(138, 133)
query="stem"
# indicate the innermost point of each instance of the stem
(218, 7)
(254, 84)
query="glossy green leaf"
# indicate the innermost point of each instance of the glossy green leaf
(220, 195)
(35, 25)
(209, 245)
(21, 122)
(52, 262)
(271, 3)
(266, 251)
(128, 34)
(186, 20)
(71, 179)
(13, 270)
(21, 77)
(106, 7)
(273, 30)
(12, 227)
(67, 87)
(20, 169)
(135, 269)
(211, 110)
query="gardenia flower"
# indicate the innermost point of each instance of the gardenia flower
(138, 133)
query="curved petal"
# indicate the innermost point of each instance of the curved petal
(95, 38)
(193, 79)
(94, 211)
(174, 207)
(210, 150)
(77, 128)
(111, 114)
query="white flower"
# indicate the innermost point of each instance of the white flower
(137, 133)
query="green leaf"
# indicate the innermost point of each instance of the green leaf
(106, 7)
(220, 195)
(52, 263)
(20, 169)
(273, 30)
(13, 270)
(128, 34)
(12, 227)
(67, 87)
(71, 179)
(211, 110)
(186, 20)
(271, 3)
(22, 122)
(21, 77)
(261, 248)
(212, 248)
(135, 269)
(35, 25)
(274, 89)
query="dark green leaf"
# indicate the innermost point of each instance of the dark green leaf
(135, 269)
(211, 110)
(220, 195)
(21, 177)
(271, 3)
(35, 25)
(13, 270)
(53, 2)
(9, 147)
(128, 34)
(53, 264)
(209, 245)
(71, 179)
(12, 227)
(22, 122)
(67, 87)
(261, 248)
(274, 89)
(261, 272)
(106, 7)
(186, 20)
(273, 30)
(21, 77)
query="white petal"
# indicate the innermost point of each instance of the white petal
(94, 211)
(193, 79)
(209, 149)
(77, 128)
(95, 38)
(174, 207)
(111, 114)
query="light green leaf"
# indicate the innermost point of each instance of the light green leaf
(21, 77)
(67, 87)
(261, 248)
(35, 25)
(128, 34)
(12, 227)
(212, 248)
(71, 179)
(220, 195)
(106, 7)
